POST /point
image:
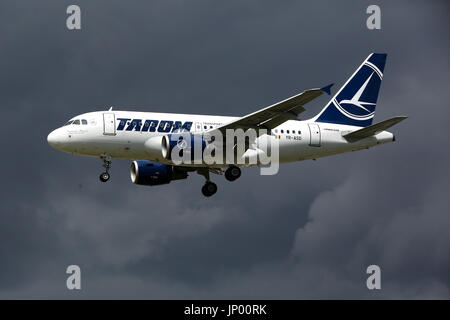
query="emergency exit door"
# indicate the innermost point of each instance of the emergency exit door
(109, 124)
(314, 134)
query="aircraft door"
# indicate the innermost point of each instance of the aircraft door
(314, 131)
(109, 124)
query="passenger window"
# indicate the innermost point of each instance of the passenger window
(293, 131)
(276, 130)
(76, 122)
(205, 127)
(83, 121)
(287, 131)
(282, 131)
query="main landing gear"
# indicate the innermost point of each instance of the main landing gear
(104, 176)
(232, 173)
(209, 188)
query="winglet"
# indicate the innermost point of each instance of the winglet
(327, 89)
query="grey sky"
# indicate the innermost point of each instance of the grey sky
(308, 232)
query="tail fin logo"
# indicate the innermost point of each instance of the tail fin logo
(366, 109)
(355, 102)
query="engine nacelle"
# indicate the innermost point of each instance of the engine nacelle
(152, 173)
(154, 147)
(183, 146)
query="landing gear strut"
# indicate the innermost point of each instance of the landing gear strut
(209, 188)
(232, 173)
(104, 176)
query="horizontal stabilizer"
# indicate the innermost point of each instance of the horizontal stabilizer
(373, 129)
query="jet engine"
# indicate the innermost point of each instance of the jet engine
(176, 146)
(150, 173)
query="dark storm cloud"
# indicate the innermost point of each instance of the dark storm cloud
(309, 231)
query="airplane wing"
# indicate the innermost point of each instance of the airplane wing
(274, 115)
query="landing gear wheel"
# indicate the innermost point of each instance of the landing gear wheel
(107, 165)
(232, 173)
(104, 177)
(209, 189)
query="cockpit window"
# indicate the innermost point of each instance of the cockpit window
(76, 122)
(69, 122)
(83, 121)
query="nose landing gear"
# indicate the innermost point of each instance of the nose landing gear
(104, 176)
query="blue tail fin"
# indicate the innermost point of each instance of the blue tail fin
(354, 104)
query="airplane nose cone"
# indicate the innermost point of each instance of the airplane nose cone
(53, 139)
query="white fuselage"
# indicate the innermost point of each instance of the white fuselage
(104, 133)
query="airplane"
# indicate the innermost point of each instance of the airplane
(343, 125)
